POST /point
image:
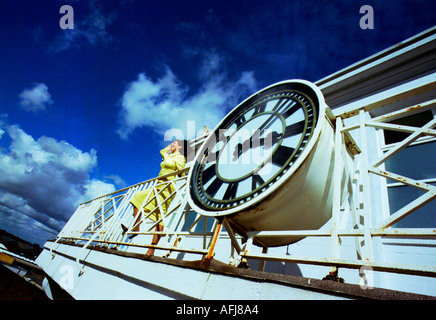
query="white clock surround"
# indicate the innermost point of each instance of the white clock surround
(300, 199)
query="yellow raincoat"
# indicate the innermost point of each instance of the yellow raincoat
(170, 163)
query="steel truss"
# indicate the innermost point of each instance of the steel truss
(357, 202)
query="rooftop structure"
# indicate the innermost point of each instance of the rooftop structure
(377, 240)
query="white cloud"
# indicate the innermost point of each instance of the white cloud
(43, 181)
(211, 65)
(36, 98)
(118, 181)
(165, 104)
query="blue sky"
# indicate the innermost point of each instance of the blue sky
(84, 111)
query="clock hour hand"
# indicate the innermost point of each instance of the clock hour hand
(272, 137)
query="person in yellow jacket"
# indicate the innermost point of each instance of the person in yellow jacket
(172, 160)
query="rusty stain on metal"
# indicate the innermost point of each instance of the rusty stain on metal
(414, 108)
(214, 240)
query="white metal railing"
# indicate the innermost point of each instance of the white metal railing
(98, 222)
(357, 202)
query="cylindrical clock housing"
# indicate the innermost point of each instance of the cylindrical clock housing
(287, 125)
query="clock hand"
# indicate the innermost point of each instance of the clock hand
(240, 148)
(274, 137)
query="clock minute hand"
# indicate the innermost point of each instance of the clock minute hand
(240, 148)
(272, 137)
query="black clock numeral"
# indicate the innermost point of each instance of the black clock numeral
(240, 121)
(282, 155)
(231, 191)
(289, 112)
(284, 103)
(256, 181)
(294, 129)
(292, 108)
(214, 186)
(260, 108)
(280, 104)
(209, 173)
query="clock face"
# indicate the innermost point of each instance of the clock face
(254, 147)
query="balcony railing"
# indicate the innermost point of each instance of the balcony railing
(98, 222)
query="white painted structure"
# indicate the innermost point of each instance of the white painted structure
(382, 233)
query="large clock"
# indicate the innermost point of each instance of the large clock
(254, 151)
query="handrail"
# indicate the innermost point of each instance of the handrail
(367, 231)
(114, 209)
(164, 176)
(103, 226)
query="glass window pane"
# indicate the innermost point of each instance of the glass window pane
(416, 162)
(416, 120)
(424, 217)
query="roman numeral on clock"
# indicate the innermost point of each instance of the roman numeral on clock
(256, 180)
(240, 121)
(214, 186)
(208, 173)
(231, 191)
(260, 108)
(294, 129)
(290, 111)
(282, 155)
(287, 103)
